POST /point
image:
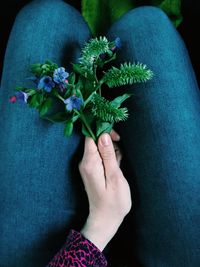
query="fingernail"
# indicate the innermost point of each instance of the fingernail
(105, 140)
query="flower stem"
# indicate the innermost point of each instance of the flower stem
(83, 120)
(60, 97)
(89, 98)
(86, 125)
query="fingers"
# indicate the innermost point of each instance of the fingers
(118, 152)
(114, 135)
(107, 153)
(90, 167)
(90, 147)
(91, 150)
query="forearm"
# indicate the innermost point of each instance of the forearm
(98, 232)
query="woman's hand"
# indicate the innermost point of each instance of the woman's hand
(107, 189)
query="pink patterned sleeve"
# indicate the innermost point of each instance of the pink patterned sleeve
(78, 252)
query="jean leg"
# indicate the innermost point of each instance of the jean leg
(161, 141)
(38, 186)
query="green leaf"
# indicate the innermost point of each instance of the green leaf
(120, 99)
(112, 10)
(36, 100)
(32, 101)
(48, 68)
(88, 89)
(78, 93)
(68, 128)
(106, 111)
(85, 131)
(43, 69)
(23, 89)
(75, 118)
(58, 117)
(79, 84)
(84, 71)
(79, 69)
(101, 14)
(36, 69)
(127, 74)
(79, 87)
(47, 104)
(172, 8)
(31, 91)
(87, 118)
(72, 78)
(103, 127)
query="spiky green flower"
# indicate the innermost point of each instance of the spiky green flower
(93, 49)
(127, 74)
(107, 111)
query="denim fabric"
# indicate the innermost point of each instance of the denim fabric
(41, 193)
(40, 187)
(161, 142)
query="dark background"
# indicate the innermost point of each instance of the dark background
(188, 29)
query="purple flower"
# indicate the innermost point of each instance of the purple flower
(22, 96)
(60, 75)
(19, 96)
(62, 87)
(46, 83)
(117, 44)
(73, 102)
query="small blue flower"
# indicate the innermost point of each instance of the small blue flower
(60, 75)
(117, 44)
(73, 102)
(46, 83)
(22, 96)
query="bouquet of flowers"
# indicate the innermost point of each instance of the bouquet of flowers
(79, 93)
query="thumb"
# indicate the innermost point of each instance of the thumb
(107, 153)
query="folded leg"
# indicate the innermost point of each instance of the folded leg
(161, 141)
(38, 187)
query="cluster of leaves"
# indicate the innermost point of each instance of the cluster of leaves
(112, 10)
(79, 93)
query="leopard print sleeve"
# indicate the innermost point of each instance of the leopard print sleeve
(78, 252)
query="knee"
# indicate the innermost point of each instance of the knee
(152, 13)
(148, 17)
(146, 22)
(48, 12)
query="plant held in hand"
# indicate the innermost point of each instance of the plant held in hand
(79, 93)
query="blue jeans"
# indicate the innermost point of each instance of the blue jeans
(41, 192)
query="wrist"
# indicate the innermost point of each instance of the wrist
(99, 233)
